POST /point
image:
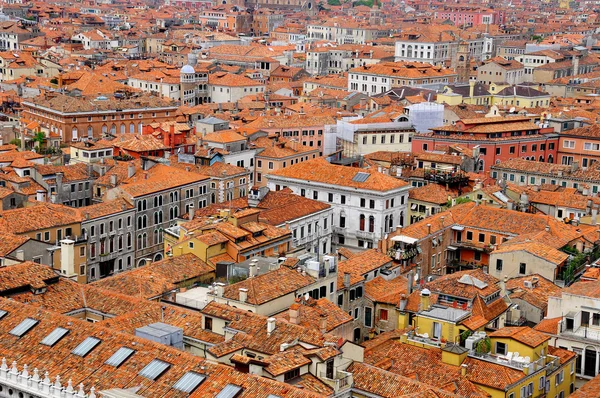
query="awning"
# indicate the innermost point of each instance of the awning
(452, 248)
(404, 239)
(458, 228)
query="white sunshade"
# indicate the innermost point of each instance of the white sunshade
(405, 239)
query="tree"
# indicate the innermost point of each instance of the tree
(39, 137)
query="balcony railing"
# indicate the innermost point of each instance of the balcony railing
(341, 380)
(583, 332)
(412, 336)
(364, 234)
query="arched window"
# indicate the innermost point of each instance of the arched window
(550, 159)
(139, 222)
(140, 127)
(139, 242)
(120, 242)
(176, 211)
(409, 51)
(362, 222)
(171, 213)
(155, 217)
(122, 129)
(144, 240)
(139, 205)
(371, 224)
(90, 132)
(156, 201)
(113, 129)
(391, 223)
(155, 237)
(385, 225)
(111, 245)
(104, 129)
(131, 128)
(74, 135)
(145, 221)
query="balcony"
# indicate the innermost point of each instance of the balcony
(515, 362)
(365, 235)
(423, 339)
(582, 333)
(339, 230)
(341, 380)
(481, 247)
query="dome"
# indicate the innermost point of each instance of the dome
(188, 69)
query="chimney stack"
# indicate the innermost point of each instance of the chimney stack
(411, 280)
(425, 293)
(192, 211)
(403, 302)
(346, 279)
(463, 369)
(243, 294)
(130, 170)
(270, 326)
(294, 313)
(323, 323)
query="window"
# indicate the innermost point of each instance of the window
(383, 315)
(316, 195)
(522, 268)
(596, 319)
(499, 264)
(363, 202)
(342, 221)
(330, 197)
(292, 374)
(477, 256)
(511, 150)
(500, 348)
(343, 199)
(368, 316)
(481, 238)
(469, 235)
(567, 144)
(437, 330)
(371, 204)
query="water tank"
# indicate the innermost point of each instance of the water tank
(162, 333)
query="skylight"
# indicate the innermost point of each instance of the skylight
(361, 177)
(24, 327)
(86, 346)
(230, 391)
(154, 369)
(3, 314)
(189, 382)
(119, 357)
(54, 336)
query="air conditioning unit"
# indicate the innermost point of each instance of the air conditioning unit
(528, 284)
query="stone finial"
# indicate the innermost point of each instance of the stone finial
(81, 391)
(70, 386)
(47, 378)
(36, 375)
(25, 373)
(4, 366)
(92, 395)
(57, 382)
(14, 368)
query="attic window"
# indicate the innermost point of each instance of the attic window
(189, 382)
(155, 369)
(86, 346)
(54, 337)
(25, 326)
(230, 391)
(361, 177)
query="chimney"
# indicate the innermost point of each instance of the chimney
(428, 229)
(503, 286)
(471, 88)
(463, 369)
(59, 179)
(294, 313)
(243, 294)
(113, 180)
(425, 293)
(192, 211)
(346, 279)
(323, 323)
(411, 280)
(130, 170)
(40, 195)
(575, 65)
(403, 302)
(594, 216)
(67, 257)
(219, 289)
(270, 326)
